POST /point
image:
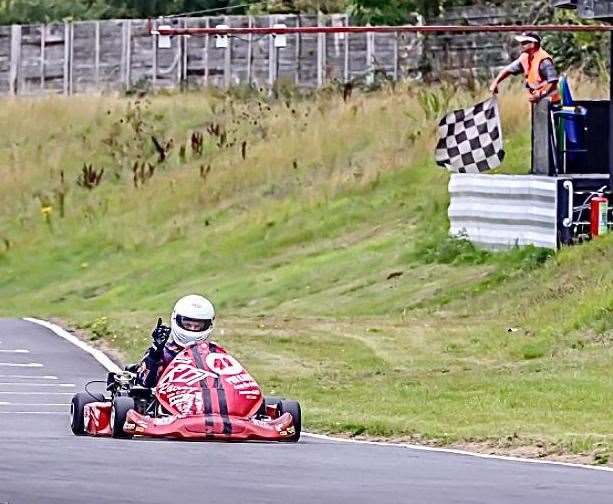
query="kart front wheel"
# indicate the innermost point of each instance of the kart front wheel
(293, 408)
(268, 401)
(119, 412)
(77, 406)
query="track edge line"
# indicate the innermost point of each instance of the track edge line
(99, 355)
(455, 451)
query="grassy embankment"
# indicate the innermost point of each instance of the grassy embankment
(319, 229)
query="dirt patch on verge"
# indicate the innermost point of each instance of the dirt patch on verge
(117, 356)
(517, 447)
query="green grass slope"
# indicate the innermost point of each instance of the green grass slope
(319, 229)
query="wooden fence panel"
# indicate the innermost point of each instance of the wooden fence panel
(29, 78)
(141, 57)
(5, 59)
(359, 64)
(165, 66)
(110, 55)
(308, 61)
(236, 57)
(197, 54)
(84, 59)
(410, 55)
(114, 55)
(335, 43)
(54, 53)
(216, 56)
(260, 66)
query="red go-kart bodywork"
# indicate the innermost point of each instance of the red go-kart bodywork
(206, 394)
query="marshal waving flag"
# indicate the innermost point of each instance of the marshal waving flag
(470, 140)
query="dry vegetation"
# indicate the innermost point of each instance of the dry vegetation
(318, 226)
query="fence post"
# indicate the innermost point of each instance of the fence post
(370, 50)
(297, 53)
(43, 40)
(271, 54)
(182, 61)
(206, 54)
(227, 66)
(15, 65)
(66, 71)
(129, 55)
(154, 60)
(122, 56)
(71, 67)
(321, 53)
(125, 63)
(249, 50)
(395, 56)
(346, 62)
(97, 55)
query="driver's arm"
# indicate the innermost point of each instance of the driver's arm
(148, 369)
(514, 68)
(150, 365)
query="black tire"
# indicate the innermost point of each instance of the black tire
(77, 405)
(293, 408)
(119, 412)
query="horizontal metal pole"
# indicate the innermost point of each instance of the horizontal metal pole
(381, 29)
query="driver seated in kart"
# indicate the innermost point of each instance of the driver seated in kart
(192, 320)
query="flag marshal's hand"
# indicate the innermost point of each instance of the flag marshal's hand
(534, 98)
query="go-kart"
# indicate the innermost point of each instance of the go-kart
(204, 393)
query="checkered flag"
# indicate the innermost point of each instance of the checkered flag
(470, 140)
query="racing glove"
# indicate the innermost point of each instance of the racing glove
(160, 336)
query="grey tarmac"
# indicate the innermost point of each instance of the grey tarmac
(41, 461)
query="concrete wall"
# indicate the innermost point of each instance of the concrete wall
(503, 211)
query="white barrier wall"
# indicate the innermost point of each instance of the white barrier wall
(503, 211)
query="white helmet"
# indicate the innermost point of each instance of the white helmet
(192, 320)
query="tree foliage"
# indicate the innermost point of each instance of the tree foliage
(39, 11)
(400, 11)
(371, 11)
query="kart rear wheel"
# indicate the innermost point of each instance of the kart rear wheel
(77, 405)
(293, 408)
(119, 412)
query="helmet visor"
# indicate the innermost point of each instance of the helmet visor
(192, 324)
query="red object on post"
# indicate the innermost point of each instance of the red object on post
(598, 215)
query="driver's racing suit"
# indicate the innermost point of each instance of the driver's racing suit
(162, 351)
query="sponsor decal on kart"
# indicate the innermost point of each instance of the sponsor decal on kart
(91, 413)
(187, 374)
(182, 359)
(244, 383)
(165, 420)
(180, 386)
(130, 426)
(249, 393)
(223, 364)
(290, 431)
(183, 402)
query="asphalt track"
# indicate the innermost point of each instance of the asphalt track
(42, 462)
